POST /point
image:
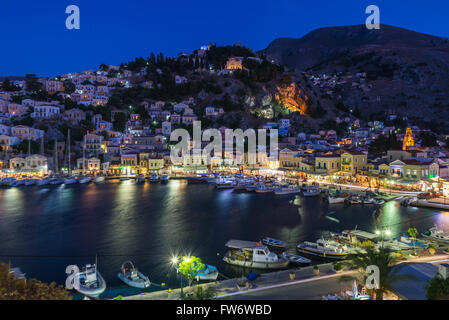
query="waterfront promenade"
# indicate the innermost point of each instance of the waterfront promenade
(277, 285)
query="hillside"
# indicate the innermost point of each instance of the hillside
(405, 70)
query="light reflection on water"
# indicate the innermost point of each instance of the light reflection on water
(148, 223)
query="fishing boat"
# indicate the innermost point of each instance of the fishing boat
(253, 255)
(354, 236)
(70, 180)
(294, 258)
(273, 242)
(286, 190)
(405, 242)
(99, 179)
(91, 283)
(437, 234)
(311, 191)
(83, 180)
(133, 277)
(154, 178)
(43, 181)
(208, 273)
(164, 178)
(324, 249)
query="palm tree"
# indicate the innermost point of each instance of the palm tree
(385, 260)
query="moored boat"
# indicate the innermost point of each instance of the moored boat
(273, 242)
(55, 181)
(99, 179)
(324, 249)
(30, 182)
(311, 191)
(43, 181)
(335, 199)
(91, 283)
(436, 234)
(263, 189)
(70, 180)
(294, 258)
(133, 277)
(404, 242)
(209, 272)
(164, 178)
(83, 180)
(154, 178)
(253, 255)
(196, 180)
(286, 190)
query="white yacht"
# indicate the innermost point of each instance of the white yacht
(253, 255)
(325, 249)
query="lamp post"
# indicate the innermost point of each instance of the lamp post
(385, 231)
(175, 262)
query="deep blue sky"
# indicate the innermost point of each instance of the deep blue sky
(34, 39)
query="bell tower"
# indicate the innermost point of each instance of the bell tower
(408, 140)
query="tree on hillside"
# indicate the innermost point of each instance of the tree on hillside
(120, 122)
(12, 288)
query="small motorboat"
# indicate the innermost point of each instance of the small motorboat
(264, 189)
(405, 242)
(367, 200)
(354, 200)
(164, 178)
(133, 277)
(286, 190)
(99, 179)
(273, 242)
(91, 283)
(294, 258)
(70, 180)
(17, 183)
(154, 178)
(83, 180)
(336, 199)
(226, 184)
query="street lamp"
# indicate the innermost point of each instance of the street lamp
(175, 262)
(386, 232)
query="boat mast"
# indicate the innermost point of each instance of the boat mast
(68, 151)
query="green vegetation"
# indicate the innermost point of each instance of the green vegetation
(437, 288)
(189, 267)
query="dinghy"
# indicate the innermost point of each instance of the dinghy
(132, 277)
(295, 258)
(273, 242)
(91, 283)
(85, 180)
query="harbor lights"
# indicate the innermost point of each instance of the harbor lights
(175, 262)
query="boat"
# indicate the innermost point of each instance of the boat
(354, 236)
(379, 201)
(17, 183)
(286, 190)
(253, 255)
(140, 179)
(367, 200)
(273, 242)
(196, 180)
(7, 181)
(437, 234)
(99, 179)
(164, 178)
(405, 242)
(85, 180)
(208, 273)
(251, 187)
(354, 200)
(295, 258)
(124, 178)
(30, 182)
(263, 189)
(91, 283)
(43, 181)
(70, 180)
(324, 249)
(133, 277)
(55, 181)
(311, 191)
(154, 178)
(224, 184)
(240, 187)
(335, 199)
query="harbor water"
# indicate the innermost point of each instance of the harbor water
(45, 229)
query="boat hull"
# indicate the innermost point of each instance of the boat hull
(145, 283)
(257, 265)
(322, 255)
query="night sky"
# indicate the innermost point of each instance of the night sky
(34, 38)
